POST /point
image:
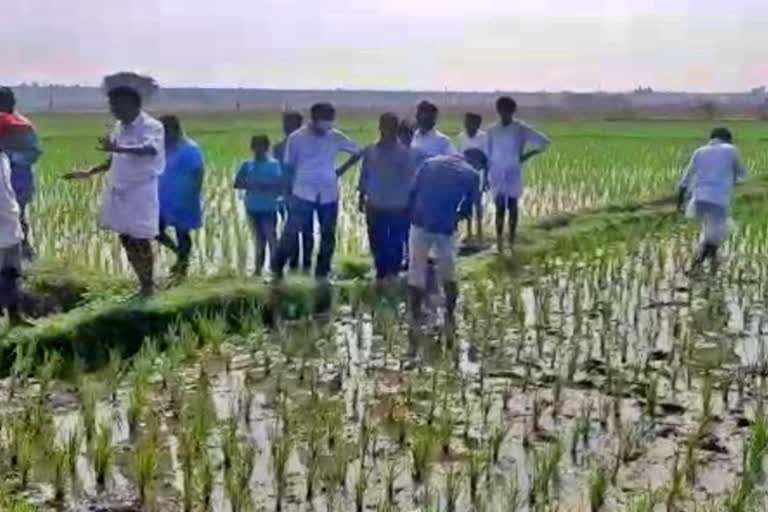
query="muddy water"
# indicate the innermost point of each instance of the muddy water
(597, 334)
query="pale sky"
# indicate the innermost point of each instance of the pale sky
(696, 45)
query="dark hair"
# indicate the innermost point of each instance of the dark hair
(125, 92)
(473, 116)
(171, 121)
(391, 117)
(294, 116)
(260, 140)
(723, 134)
(7, 98)
(428, 106)
(506, 103)
(322, 110)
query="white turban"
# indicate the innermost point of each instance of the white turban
(145, 86)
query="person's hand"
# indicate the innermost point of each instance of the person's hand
(106, 144)
(486, 187)
(77, 175)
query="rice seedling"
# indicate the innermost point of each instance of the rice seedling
(72, 451)
(145, 467)
(58, 457)
(598, 487)
(282, 446)
(421, 447)
(102, 455)
(644, 502)
(452, 491)
(361, 488)
(475, 467)
(205, 480)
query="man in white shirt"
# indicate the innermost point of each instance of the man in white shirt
(130, 204)
(710, 177)
(11, 233)
(473, 144)
(427, 138)
(310, 157)
(508, 143)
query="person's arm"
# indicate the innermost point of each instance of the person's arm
(739, 169)
(151, 142)
(93, 171)
(685, 183)
(471, 198)
(346, 145)
(539, 142)
(362, 184)
(241, 179)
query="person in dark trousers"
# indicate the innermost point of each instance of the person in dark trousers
(310, 157)
(386, 179)
(180, 193)
(263, 182)
(12, 130)
(445, 189)
(511, 143)
(405, 133)
(292, 121)
(23, 156)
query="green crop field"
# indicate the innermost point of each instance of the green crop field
(587, 371)
(591, 164)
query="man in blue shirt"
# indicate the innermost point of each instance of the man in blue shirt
(262, 180)
(446, 188)
(292, 121)
(180, 188)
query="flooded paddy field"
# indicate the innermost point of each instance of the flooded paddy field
(607, 381)
(599, 377)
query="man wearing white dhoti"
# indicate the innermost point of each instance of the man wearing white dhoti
(511, 143)
(129, 203)
(710, 178)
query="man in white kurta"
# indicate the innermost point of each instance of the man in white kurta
(129, 203)
(510, 144)
(428, 138)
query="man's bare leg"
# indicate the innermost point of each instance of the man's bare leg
(139, 252)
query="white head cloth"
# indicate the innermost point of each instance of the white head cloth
(145, 86)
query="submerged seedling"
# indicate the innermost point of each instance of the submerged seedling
(102, 455)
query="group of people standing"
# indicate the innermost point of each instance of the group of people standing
(415, 185)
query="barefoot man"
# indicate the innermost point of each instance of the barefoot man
(130, 204)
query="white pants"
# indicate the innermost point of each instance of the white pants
(421, 245)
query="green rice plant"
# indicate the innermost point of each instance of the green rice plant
(391, 473)
(644, 502)
(22, 451)
(691, 459)
(47, 372)
(136, 404)
(421, 446)
(282, 446)
(102, 455)
(676, 489)
(598, 487)
(230, 445)
(361, 488)
(187, 455)
(475, 467)
(72, 451)
(114, 373)
(652, 396)
(707, 389)
(445, 428)
(212, 330)
(498, 434)
(145, 467)
(205, 480)
(88, 409)
(58, 457)
(453, 477)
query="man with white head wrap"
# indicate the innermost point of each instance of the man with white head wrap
(130, 204)
(710, 178)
